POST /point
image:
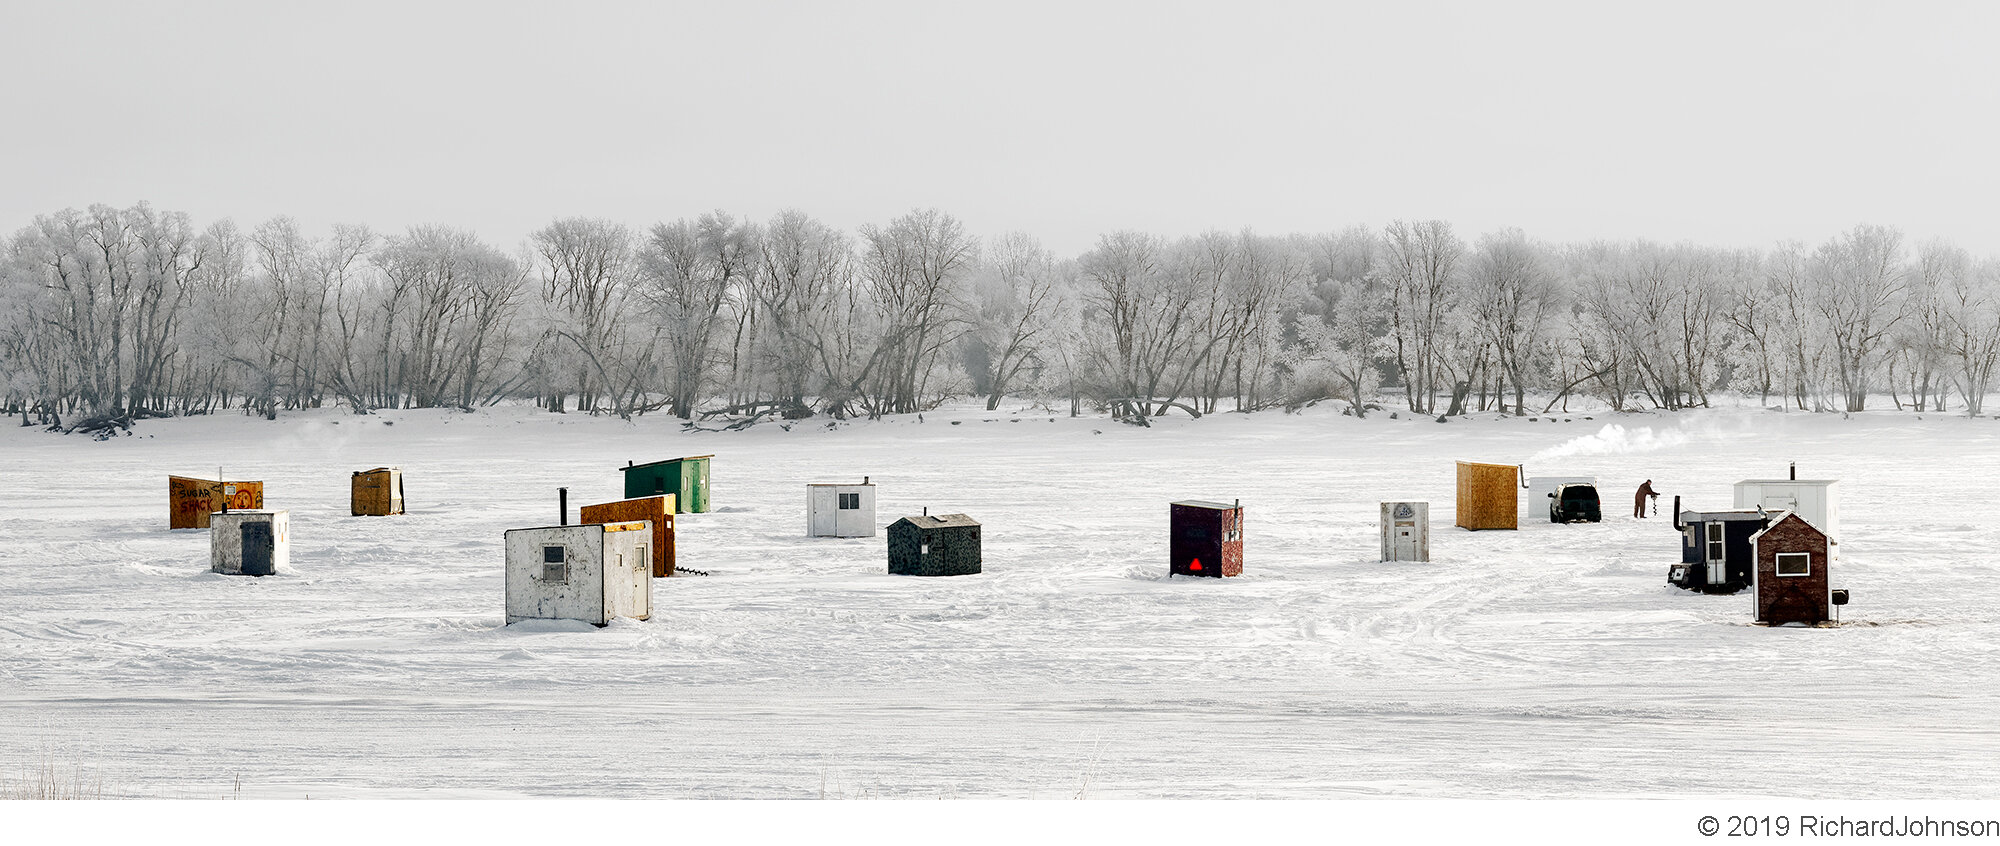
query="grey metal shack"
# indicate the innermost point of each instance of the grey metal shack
(942, 545)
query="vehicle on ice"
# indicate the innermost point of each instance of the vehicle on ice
(1575, 502)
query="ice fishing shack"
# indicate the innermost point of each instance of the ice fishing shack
(1205, 538)
(1816, 500)
(376, 493)
(1406, 531)
(592, 572)
(934, 545)
(840, 509)
(686, 478)
(1716, 552)
(1489, 495)
(249, 543)
(1794, 580)
(190, 501)
(656, 510)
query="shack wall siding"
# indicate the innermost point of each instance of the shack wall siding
(657, 510)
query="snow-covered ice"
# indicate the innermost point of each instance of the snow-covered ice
(1552, 661)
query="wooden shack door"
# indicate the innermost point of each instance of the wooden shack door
(825, 512)
(257, 549)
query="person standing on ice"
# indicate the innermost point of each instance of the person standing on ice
(1639, 499)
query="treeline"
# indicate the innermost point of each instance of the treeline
(115, 313)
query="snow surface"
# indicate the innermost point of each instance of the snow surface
(1552, 661)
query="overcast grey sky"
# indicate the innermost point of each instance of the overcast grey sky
(1729, 124)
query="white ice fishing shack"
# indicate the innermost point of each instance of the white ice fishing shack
(840, 509)
(592, 572)
(1817, 501)
(249, 543)
(1406, 531)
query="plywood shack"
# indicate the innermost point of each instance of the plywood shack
(840, 509)
(1489, 496)
(1205, 539)
(190, 501)
(592, 573)
(377, 492)
(686, 478)
(1793, 583)
(934, 545)
(250, 543)
(657, 510)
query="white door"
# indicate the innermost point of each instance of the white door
(1715, 553)
(822, 513)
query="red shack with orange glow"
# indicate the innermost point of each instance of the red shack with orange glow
(1207, 539)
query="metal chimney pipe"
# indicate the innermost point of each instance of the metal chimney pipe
(562, 502)
(1795, 471)
(1677, 512)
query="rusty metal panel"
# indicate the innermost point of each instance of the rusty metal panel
(658, 510)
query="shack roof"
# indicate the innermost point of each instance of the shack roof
(1789, 482)
(840, 484)
(1202, 503)
(614, 526)
(665, 461)
(1780, 517)
(935, 521)
(1723, 516)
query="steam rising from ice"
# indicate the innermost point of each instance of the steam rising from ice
(1614, 439)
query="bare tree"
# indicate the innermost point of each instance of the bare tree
(1012, 302)
(1420, 262)
(913, 267)
(586, 266)
(1858, 277)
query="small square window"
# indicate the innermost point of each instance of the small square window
(850, 502)
(1794, 564)
(552, 555)
(555, 572)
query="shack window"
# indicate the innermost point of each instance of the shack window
(1715, 542)
(554, 568)
(1794, 563)
(850, 502)
(924, 549)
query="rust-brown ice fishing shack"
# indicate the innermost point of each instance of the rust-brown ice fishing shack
(657, 510)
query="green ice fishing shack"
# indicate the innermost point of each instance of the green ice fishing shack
(685, 478)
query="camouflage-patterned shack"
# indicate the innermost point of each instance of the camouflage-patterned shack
(934, 545)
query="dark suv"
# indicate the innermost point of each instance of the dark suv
(1574, 504)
